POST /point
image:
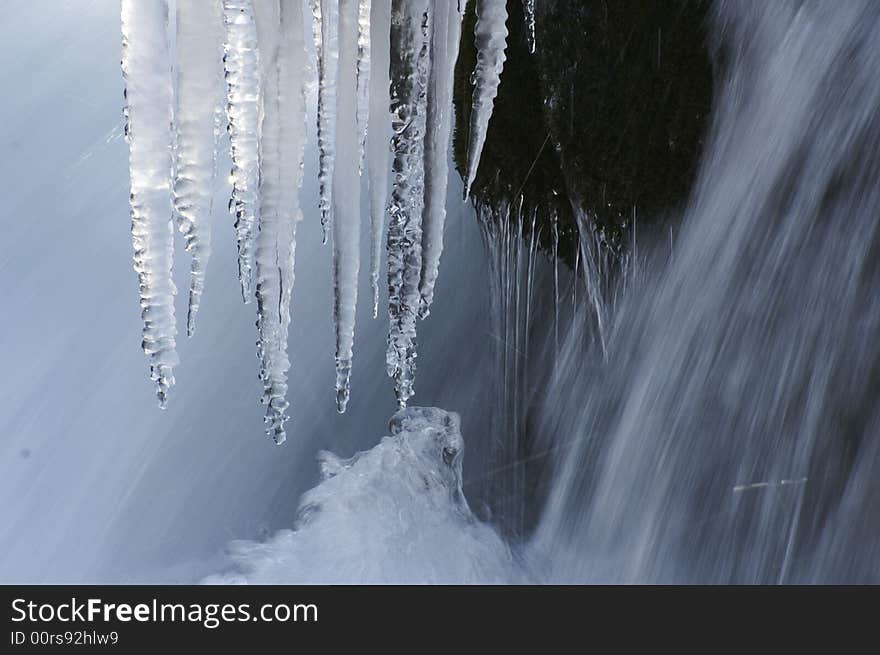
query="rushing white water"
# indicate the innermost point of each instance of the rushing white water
(146, 67)
(326, 12)
(346, 200)
(242, 61)
(490, 37)
(731, 436)
(199, 90)
(378, 134)
(445, 37)
(280, 31)
(393, 514)
(410, 58)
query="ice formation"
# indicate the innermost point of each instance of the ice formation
(280, 29)
(242, 60)
(385, 71)
(363, 76)
(146, 67)
(409, 81)
(394, 514)
(490, 36)
(529, 11)
(199, 85)
(445, 36)
(326, 30)
(378, 134)
(346, 200)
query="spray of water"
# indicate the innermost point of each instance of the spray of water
(730, 433)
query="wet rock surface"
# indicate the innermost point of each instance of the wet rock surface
(609, 114)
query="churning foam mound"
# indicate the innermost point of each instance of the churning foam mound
(392, 514)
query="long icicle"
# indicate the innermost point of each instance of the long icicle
(199, 85)
(363, 77)
(242, 63)
(378, 134)
(270, 343)
(317, 41)
(446, 34)
(327, 12)
(282, 46)
(410, 26)
(490, 36)
(146, 68)
(346, 201)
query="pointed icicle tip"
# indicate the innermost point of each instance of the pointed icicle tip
(279, 436)
(342, 400)
(424, 309)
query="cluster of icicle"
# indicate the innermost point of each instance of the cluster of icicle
(385, 73)
(175, 112)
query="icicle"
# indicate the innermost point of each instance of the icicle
(242, 63)
(280, 28)
(490, 36)
(529, 11)
(270, 259)
(363, 77)
(409, 74)
(446, 34)
(317, 41)
(346, 200)
(327, 11)
(146, 68)
(378, 134)
(199, 35)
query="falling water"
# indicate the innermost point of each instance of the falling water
(521, 339)
(731, 433)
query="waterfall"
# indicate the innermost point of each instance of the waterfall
(731, 432)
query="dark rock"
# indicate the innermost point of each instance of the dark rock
(607, 116)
